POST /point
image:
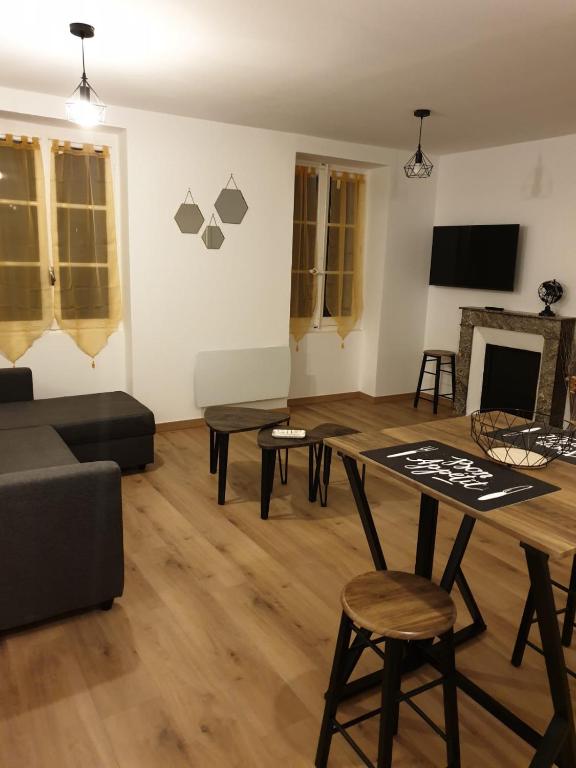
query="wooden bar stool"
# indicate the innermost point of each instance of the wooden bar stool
(529, 618)
(399, 608)
(437, 357)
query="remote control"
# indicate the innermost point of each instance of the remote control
(296, 434)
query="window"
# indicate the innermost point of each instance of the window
(84, 246)
(25, 298)
(326, 250)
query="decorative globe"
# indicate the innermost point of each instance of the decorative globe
(549, 292)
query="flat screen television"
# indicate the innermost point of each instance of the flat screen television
(481, 256)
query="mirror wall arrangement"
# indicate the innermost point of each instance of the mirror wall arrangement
(230, 205)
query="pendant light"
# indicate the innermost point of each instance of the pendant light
(84, 107)
(419, 166)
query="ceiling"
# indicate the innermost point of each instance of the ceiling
(492, 71)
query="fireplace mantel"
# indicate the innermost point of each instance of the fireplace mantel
(558, 334)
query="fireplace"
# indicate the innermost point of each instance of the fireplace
(510, 379)
(556, 335)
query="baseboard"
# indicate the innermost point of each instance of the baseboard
(170, 426)
(312, 399)
(375, 400)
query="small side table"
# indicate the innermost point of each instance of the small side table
(314, 441)
(224, 420)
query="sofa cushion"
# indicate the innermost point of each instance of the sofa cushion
(32, 448)
(83, 418)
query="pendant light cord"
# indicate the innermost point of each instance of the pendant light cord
(84, 78)
(420, 133)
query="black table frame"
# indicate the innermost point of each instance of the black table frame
(557, 746)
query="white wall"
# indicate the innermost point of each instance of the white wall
(182, 298)
(405, 283)
(531, 184)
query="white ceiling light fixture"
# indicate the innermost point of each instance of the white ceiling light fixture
(84, 107)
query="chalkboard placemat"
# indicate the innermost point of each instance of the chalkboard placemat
(535, 437)
(478, 483)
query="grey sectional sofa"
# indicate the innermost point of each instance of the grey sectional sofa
(60, 497)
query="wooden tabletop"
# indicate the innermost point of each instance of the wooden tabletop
(232, 418)
(547, 523)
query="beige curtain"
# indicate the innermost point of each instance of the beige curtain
(25, 292)
(87, 300)
(344, 250)
(303, 293)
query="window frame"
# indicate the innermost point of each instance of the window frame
(321, 324)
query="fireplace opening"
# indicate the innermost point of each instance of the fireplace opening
(510, 381)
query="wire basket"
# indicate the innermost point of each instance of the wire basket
(513, 439)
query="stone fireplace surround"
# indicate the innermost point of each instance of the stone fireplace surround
(558, 334)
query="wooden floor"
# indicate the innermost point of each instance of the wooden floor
(218, 653)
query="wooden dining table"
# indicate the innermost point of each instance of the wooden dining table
(545, 527)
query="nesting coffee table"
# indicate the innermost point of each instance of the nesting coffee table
(318, 476)
(224, 420)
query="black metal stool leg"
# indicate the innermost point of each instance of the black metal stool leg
(332, 695)
(524, 629)
(568, 627)
(213, 452)
(453, 370)
(438, 361)
(316, 485)
(312, 459)
(390, 690)
(267, 481)
(451, 703)
(420, 379)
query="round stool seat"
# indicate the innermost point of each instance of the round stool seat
(439, 353)
(398, 605)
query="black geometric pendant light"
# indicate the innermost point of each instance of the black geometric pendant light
(84, 107)
(419, 166)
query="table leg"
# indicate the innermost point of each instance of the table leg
(314, 464)
(426, 536)
(222, 444)
(559, 742)
(267, 481)
(213, 452)
(365, 513)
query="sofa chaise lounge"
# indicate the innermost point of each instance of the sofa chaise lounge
(61, 547)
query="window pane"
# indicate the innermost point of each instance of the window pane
(347, 282)
(18, 233)
(303, 246)
(82, 235)
(84, 292)
(302, 295)
(349, 241)
(331, 305)
(298, 184)
(20, 293)
(80, 179)
(350, 202)
(312, 197)
(18, 180)
(333, 249)
(335, 198)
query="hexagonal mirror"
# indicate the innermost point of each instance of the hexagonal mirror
(231, 206)
(189, 218)
(213, 236)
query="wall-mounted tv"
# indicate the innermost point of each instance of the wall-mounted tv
(481, 256)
